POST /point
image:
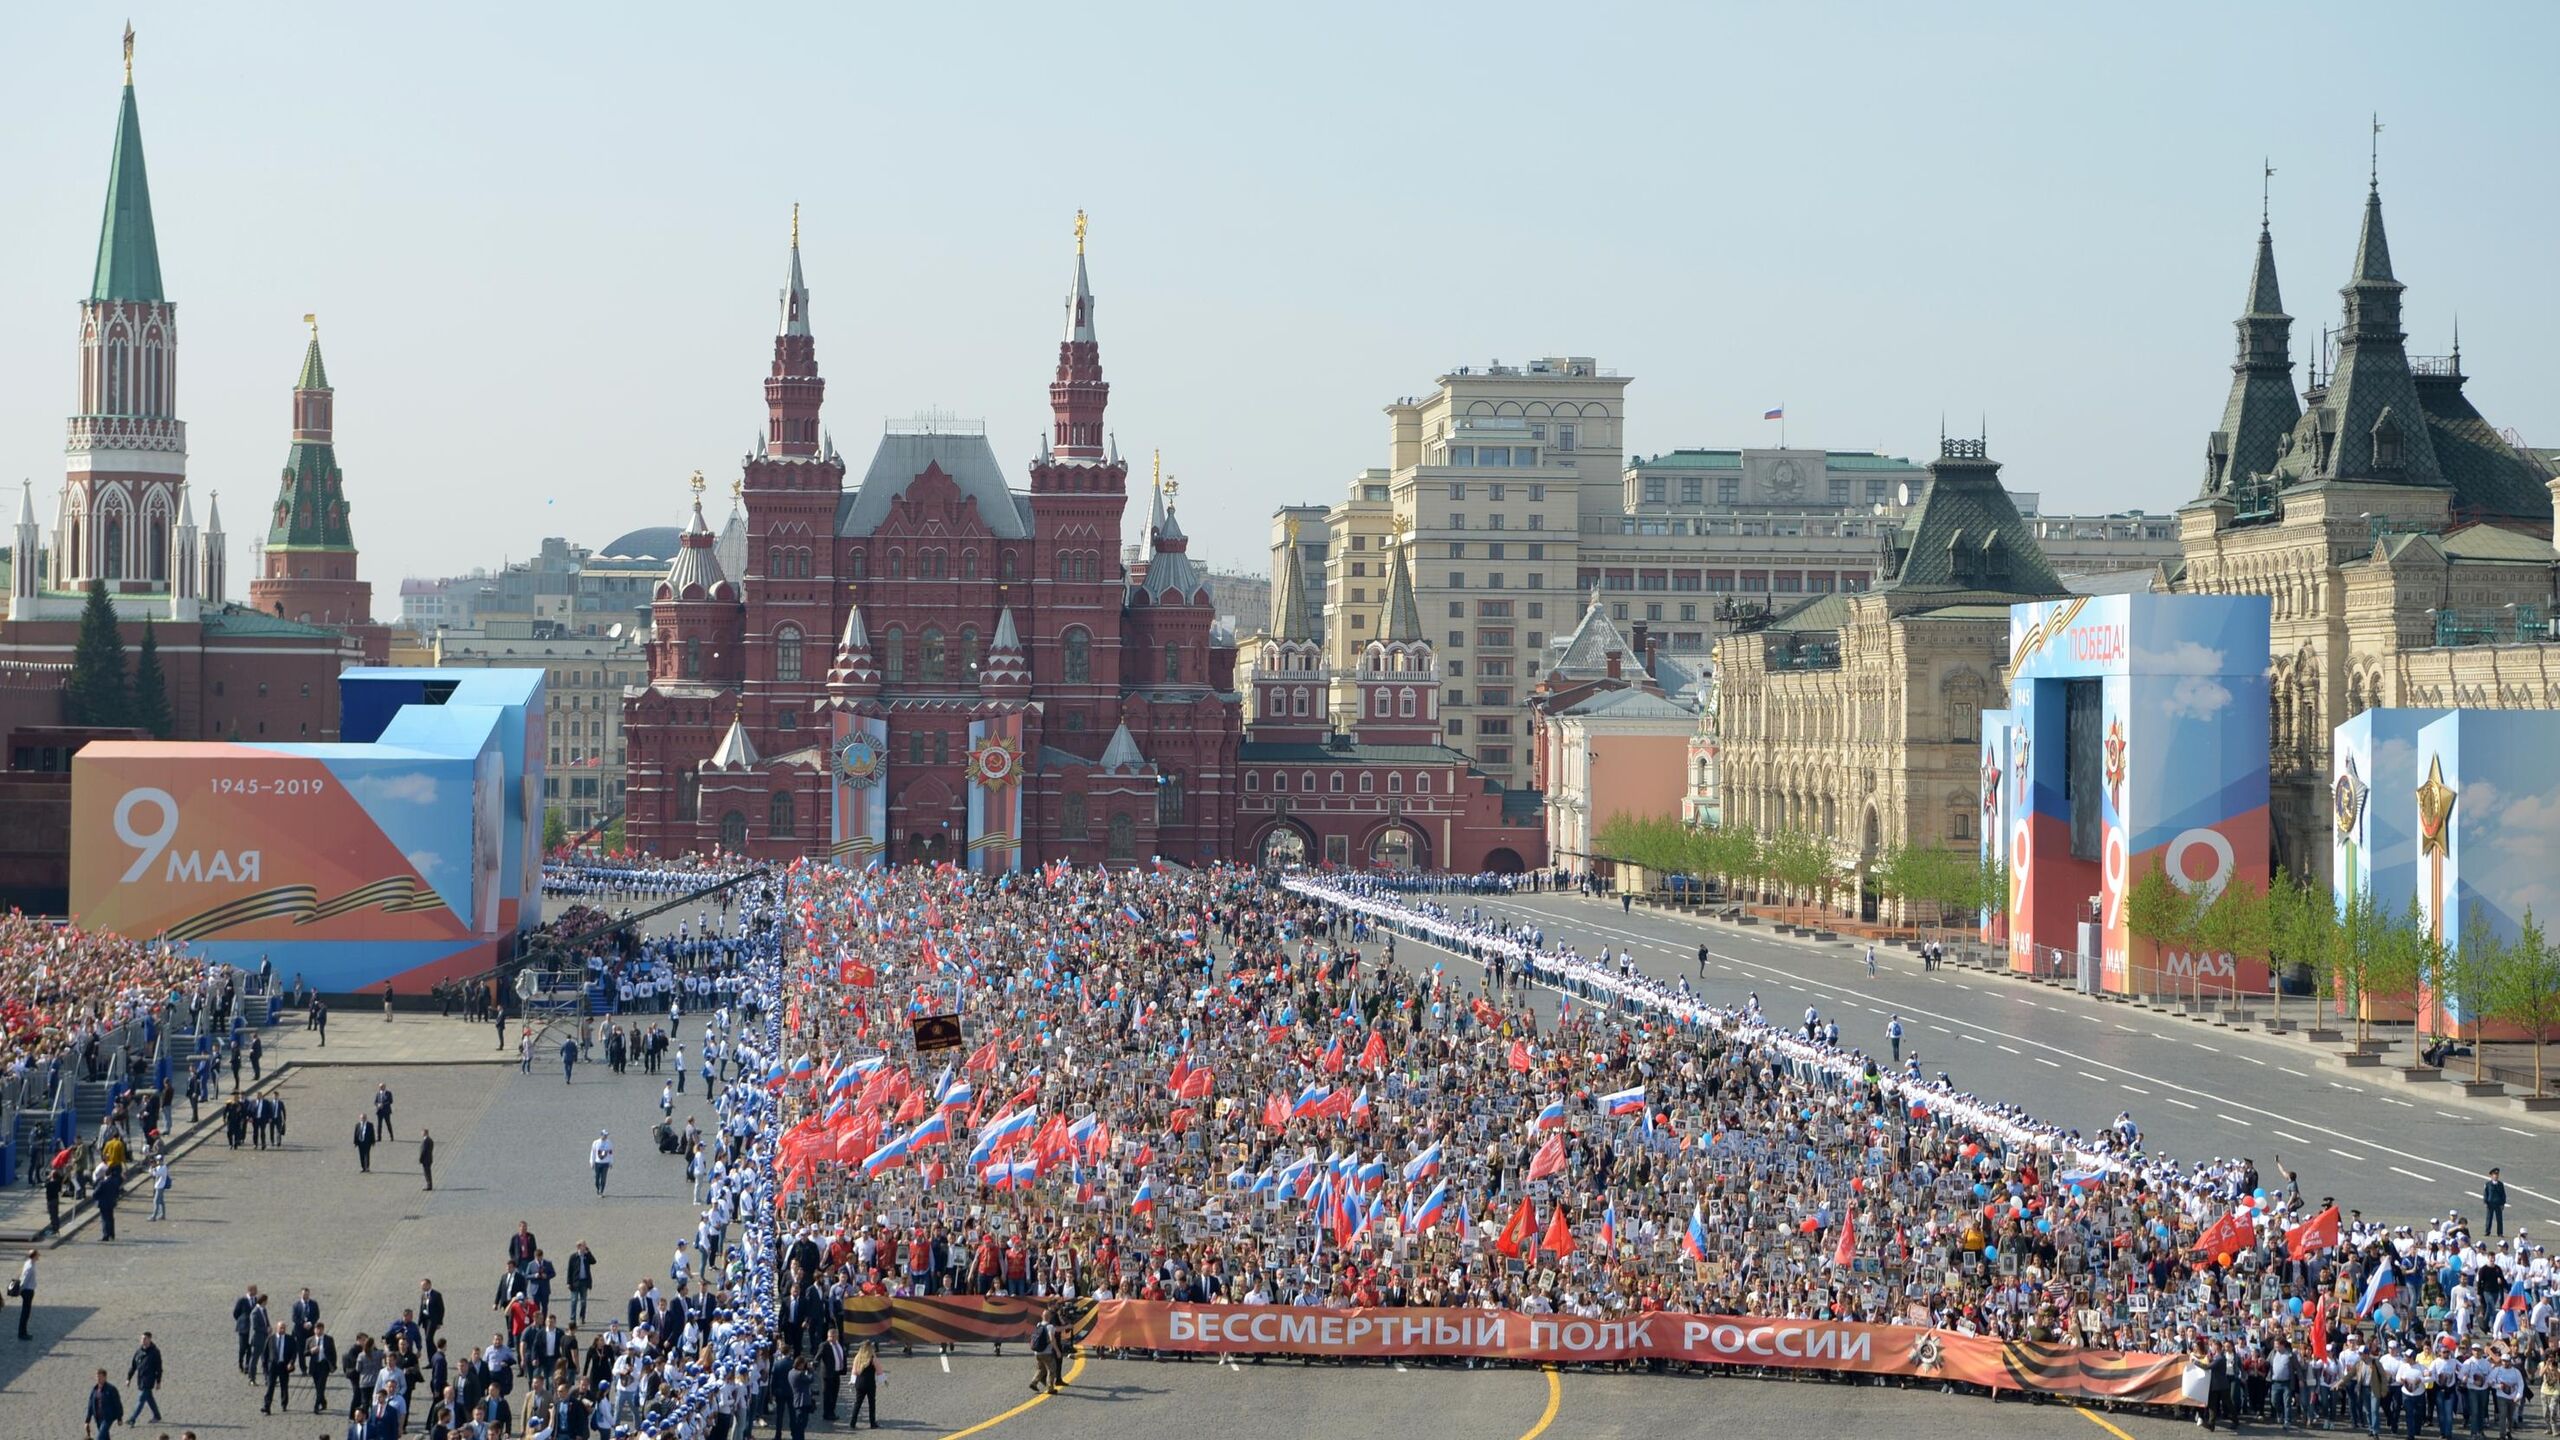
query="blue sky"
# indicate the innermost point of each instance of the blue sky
(544, 241)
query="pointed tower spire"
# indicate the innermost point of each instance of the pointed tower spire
(313, 400)
(2261, 408)
(26, 578)
(212, 554)
(1400, 617)
(1289, 617)
(793, 390)
(2374, 427)
(308, 567)
(128, 250)
(1079, 395)
(1080, 296)
(795, 290)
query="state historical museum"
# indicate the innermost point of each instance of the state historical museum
(926, 665)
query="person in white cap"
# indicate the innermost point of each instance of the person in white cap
(600, 1155)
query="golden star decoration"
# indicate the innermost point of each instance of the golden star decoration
(2435, 809)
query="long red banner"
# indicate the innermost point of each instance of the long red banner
(2070, 1371)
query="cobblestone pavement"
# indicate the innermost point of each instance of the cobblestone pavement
(509, 1147)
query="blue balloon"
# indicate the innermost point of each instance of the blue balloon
(2044, 1224)
(1990, 1252)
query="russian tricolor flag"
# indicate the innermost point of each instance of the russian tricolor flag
(2384, 1285)
(1623, 1102)
(936, 1130)
(1778, 414)
(1694, 1243)
(887, 1157)
(1609, 1227)
(1423, 1166)
(1429, 1212)
(957, 1096)
(999, 1130)
(1309, 1099)
(1145, 1199)
(1552, 1117)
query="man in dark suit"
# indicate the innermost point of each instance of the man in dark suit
(582, 1278)
(304, 1315)
(430, 1311)
(106, 1408)
(261, 1327)
(520, 1246)
(320, 1361)
(241, 1309)
(427, 1156)
(283, 1353)
(364, 1137)
(831, 1366)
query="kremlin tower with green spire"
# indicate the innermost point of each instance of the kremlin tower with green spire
(307, 564)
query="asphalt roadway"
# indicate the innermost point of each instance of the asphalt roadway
(2378, 1143)
(1183, 1400)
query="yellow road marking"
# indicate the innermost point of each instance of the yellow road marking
(1069, 1378)
(1555, 1400)
(2102, 1422)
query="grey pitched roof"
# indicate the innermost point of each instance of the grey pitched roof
(2261, 408)
(1822, 612)
(1965, 534)
(2491, 479)
(736, 751)
(967, 459)
(1170, 571)
(1289, 618)
(1631, 704)
(731, 547)
(1584, 654)
(1122, 752)
(2373, 388)
(697, 563)
(1400, 615)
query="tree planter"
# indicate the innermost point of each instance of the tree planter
(2279, 1027)
(2484, 1089)
(2318, 1036)
(2362, 1060)
(2420, 1074)
(2537, 1104)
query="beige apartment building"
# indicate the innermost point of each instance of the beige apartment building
(585, 675)
(1513, 485)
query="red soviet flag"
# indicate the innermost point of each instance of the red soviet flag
(1275, 1113)
(1847, 1249)
(1549, 1159)
(2317, 1233)
(1373, 1056)
(1197, 1084)
(1559, 1235)
(1521, 1228)
(1520, 1055)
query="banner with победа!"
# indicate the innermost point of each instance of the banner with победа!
(2071, 1371)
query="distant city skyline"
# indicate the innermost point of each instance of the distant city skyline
(544, 250)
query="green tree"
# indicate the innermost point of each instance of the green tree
(2160, 910)
(151, 687)
(2397, 960)
(2303, 923)
(2234, 924)
(555, 828)
(1990, 894)
(2358, 936)
(2469, 970)
(612, 840)
(97, 693)
(2526, 988)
